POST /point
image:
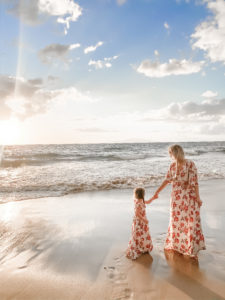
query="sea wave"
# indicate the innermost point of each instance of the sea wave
(39, 160)
(61, 189)
(34, 171)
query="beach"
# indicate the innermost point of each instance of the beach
(72, 247)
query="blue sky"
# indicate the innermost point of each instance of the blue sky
(157, 73)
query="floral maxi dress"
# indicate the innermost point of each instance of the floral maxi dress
(184, 232)
(140, 241)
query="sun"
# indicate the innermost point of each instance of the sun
(9, 132)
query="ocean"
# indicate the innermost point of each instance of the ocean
(34, 171)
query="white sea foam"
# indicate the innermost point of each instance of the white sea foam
(52, 170)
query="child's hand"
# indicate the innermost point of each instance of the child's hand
(151, 199)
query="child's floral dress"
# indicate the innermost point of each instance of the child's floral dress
(140, 241)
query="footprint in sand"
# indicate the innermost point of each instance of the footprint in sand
(118, 278)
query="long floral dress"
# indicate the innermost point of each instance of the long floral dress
(184, 232)
(140, 241)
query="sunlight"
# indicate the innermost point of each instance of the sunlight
(9, 211)
(9, 132)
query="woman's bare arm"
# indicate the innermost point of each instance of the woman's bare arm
(156, 195)
(162, 186)
(197, 195)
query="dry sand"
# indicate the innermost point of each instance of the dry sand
(73, 247)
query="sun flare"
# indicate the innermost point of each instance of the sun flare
(9, 132)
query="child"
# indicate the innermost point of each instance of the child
(140, 241)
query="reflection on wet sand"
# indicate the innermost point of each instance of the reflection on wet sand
(33, 237)
(187, 276)
(56, 248)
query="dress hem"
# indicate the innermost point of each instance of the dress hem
(184, 253)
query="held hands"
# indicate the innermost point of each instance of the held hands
(151, 199)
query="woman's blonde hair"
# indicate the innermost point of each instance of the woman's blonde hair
(139, 193)
(177, 151)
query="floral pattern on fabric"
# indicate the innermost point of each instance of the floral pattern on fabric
(140, 241)
(184, 232)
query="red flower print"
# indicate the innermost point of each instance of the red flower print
(140, 234)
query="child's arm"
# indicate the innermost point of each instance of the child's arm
(156, 195)
(151, 199)
(138, 214)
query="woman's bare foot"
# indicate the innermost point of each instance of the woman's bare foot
(193, 258)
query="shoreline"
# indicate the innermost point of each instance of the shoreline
(126, 189)
(72, 247)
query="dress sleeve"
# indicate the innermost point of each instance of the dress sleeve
(169, 175)
(193, 175)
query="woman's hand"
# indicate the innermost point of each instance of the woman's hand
(151, 199)
(199, 201)
(146, 221)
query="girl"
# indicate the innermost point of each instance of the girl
(140, 241)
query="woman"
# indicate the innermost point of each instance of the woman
(184, 233)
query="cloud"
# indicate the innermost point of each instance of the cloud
(181, 121)
(210, 108)
(100, 64)
(121, 2)
(174, 67)
(24, 98)
(209, 35)
(206, 111)
(33, 12)
(209, 94)
(93, 48)
(213, 129)
(36, 81)
(52, 78)
(93, 129)
(166, 25)
(179, 1)
(51, 53)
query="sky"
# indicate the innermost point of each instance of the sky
(105, 71)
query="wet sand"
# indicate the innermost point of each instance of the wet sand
(72, 247)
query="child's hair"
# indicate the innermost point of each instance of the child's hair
(139, 193)
(177, 152)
